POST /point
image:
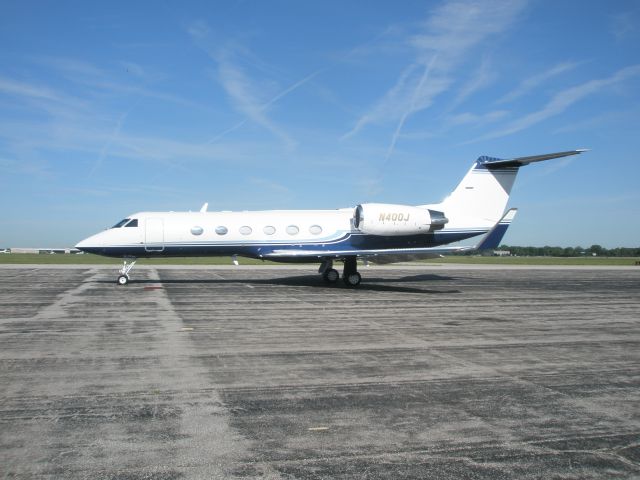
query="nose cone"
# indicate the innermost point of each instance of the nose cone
(84, 245)
(91, 244)
(81, 245)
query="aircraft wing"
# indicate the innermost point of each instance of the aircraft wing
(490, 240)
(432, 252)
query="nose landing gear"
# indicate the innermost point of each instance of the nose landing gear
(123, 278)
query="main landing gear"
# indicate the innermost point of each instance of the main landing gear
(350, 275)
(123, 279)
(329, 274)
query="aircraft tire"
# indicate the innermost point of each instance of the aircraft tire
(352, 280)
(331, 276)
(123, 280)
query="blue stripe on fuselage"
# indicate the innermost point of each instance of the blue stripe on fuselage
(351, 241)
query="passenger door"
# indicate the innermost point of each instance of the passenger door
(154, 235)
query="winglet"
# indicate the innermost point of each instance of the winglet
(204, 207)
(493, 238)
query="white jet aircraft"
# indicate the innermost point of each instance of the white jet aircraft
(381, 233)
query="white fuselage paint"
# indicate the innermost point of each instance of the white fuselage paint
(248, 227)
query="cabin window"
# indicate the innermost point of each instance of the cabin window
(132, 223)
(292, 230)
(194, 230)
(221, 230)
(245, 230)
(121, 223)
(269, 230)
(315, 229)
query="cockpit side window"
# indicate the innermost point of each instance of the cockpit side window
(121, 223)
(132, 223)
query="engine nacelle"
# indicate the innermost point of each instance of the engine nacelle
(389, 220)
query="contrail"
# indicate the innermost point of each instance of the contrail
(411, 109)
(263, 107)
(114, 135)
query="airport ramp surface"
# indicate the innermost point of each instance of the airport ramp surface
(430, 372)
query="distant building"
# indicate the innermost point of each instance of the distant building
(501, 253)
(41, 250)
(24, 250)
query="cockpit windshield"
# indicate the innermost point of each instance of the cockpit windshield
(121, 223)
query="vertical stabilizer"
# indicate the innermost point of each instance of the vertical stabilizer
(483, 193)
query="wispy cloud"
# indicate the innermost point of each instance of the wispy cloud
(248, 96)
(563, 100)
(395, 102)
(70, 67)
(628, 118)
(101, 81)
(266, 105)
(457, 27)
(24, 89)
(452, 121)
(81, 124)
(242, 93)
(28, 95)
(535, 81)
(111, 141)
(198, 30)
(481, 78)
(449, 35)
(624, 25)
(468, 118)
(90, 139)
(24, 167)
(242, 90)
(267, 184)
(412, 106)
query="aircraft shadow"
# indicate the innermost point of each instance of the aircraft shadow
(411, 278)
(374, 284)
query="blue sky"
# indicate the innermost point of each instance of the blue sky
(108, 108)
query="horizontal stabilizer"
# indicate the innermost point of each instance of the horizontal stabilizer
(496, 163)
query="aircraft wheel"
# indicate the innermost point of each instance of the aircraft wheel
(331, 275)
(352, 280)
(123, 280)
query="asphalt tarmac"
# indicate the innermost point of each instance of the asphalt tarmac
(430, 372)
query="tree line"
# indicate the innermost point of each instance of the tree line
(578, 251)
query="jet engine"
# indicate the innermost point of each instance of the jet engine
(390, 220)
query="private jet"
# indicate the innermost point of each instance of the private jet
(375, 232)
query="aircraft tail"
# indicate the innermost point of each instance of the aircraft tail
(484, 191)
